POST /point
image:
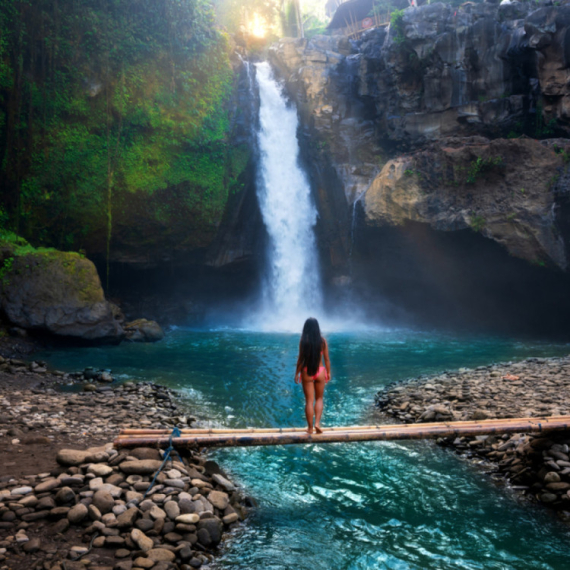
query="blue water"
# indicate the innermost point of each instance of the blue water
(346, 506)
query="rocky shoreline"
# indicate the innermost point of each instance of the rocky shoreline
(536, 466)
(95, 507)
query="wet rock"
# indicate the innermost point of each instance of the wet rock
(128, 518)
(77, 457)
(172, 509)
(192, 518)
(99, 469)
(143, 330)
(46, 486)
(141, 540)
(161, 555)
(65, 495)
(218, 499)
(140, 467)
(103, 501)
(77, 513)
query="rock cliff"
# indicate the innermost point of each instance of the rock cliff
(441, 117)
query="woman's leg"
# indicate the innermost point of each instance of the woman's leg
(319, 393)
(309, 390)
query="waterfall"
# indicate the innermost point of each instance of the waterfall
(292, 286)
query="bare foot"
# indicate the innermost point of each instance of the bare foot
(318, 429)
(309, 431)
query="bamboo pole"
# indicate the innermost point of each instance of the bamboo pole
(131, 432)
(383, 433)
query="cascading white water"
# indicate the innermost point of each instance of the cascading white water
(292, 291)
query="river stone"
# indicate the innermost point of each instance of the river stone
(172, 509)
(141, 540)
(548, 497)
(146, 453)
(219, 499)
(122, 553)
(59, 512)
(115, 479)
(173, 537)
(118, 510)
(231, 518)
(99, 542)
(77, 457)
(77, 513)
(46, 486)
(21, 491)
(133, 496)
(161, 555)
(552, 477)
(157, 513)
(186, 506)
(128, 518)
(94, 512)
(109, 519)
(45, 503)
(65, 495)
(32, 546)
(144, 524)
(143, 330)
(560, 486)
(190, 518)
(158, 525)
(28, 502)
(223, 482)
(204, 537)
(59, 527)
(103, 501)
(114, 541)
(140, 467)
(214, 528)
(144, 563)
(100, 469)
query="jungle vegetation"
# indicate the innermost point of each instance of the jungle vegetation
(108, 107)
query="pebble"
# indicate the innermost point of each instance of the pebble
(99, 489)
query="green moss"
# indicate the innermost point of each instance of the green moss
(128, 106)
(477, 223)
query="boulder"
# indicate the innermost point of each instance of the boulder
(143, 330)
(140, 467)
(77, 457)
(57, 292)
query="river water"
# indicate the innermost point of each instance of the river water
(408, 505)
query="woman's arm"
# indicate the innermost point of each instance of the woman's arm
(299, 367)
(327, 359)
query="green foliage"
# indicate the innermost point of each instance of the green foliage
(6, 269)
(477, 223)
(411, 172)
(543, 129)
(397, 26)
(563, 153)
(480, 165)
(101, 100)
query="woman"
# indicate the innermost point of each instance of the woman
(313, 348)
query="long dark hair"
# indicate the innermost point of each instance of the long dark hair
(310, 347)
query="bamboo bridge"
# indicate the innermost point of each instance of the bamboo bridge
(246, 437)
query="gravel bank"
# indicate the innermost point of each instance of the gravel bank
(55, 503)
(538, 467)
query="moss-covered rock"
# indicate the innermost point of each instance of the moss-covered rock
(56, 292)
